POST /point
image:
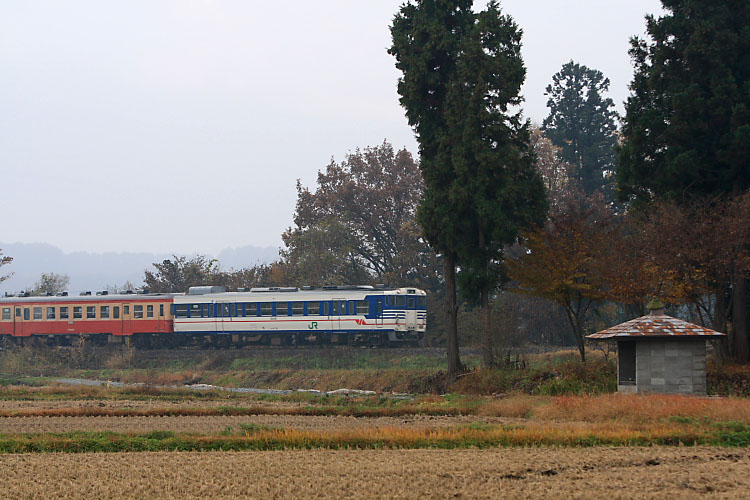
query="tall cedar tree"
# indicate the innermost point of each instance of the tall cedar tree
(461, 72)
(581, 122)
(426, 44)
(496, 184)
(687, 125)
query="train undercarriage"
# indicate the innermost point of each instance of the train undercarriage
(223, 341)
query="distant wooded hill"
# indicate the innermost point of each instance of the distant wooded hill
(97, 271)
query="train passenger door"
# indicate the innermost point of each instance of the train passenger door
(126, 314)
(224, 322)
(379, 312)
(411, 313)
(339, 309)
(161, 316)
(18, 321)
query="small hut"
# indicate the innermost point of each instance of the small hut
(659, 353)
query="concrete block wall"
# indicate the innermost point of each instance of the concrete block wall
(671, 366)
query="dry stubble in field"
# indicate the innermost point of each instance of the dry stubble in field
(499, 473)
(216, 424)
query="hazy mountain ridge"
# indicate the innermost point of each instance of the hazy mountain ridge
(97, 271)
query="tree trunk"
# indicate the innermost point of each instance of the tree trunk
(451, 309)
(575, 324)
(720, 322)
(488, 355)
(488, 347)
(739, 317)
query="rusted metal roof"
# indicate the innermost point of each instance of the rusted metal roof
(655, 325)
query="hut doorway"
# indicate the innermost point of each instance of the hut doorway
(626, 363)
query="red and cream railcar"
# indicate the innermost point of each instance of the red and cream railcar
(115, 315)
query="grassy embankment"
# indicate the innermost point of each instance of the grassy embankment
(329, 369)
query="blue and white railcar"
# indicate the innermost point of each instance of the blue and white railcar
(293, 316)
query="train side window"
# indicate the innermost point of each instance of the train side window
(50, 313)
(90, 312)
(266, 309)
(389, 300)
(18, 312)
(196, 311)
(104, 312)
(26, 316)
(313, 309)
(251, 309)
(363, 307)
(180, 311)
(325, 307)
(64, 312)
(226, 310)
(400, 301)
(138, 312)
(411, 303)
(116, 312)
(282, 309)
(126, 310)
(335, 308)
(37, 313)
(150, 311)
(6, 313)
(77, 312)
(422, 301)
(161, 309)
(343, 308)
(298, 308)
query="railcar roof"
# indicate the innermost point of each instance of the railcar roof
(279, 296)
(120, 297)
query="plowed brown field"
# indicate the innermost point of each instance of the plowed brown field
(610, 473)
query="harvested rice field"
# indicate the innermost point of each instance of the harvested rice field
(65, 443)
(215, 424)
(546, 472)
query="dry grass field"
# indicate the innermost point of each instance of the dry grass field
(546, 472)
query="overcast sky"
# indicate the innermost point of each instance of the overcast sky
(182, 125)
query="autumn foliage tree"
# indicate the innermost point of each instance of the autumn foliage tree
(555, 172)
(180, 273)
(4, 260)
(359, 224)
(686, 132)
(51, 283)
(684, 254)
(559, 260)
